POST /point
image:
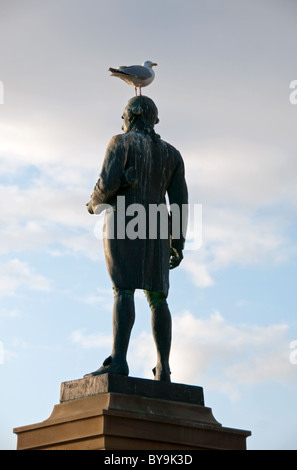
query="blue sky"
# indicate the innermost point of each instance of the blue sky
(222, 88)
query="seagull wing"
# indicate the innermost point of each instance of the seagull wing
(137, 71)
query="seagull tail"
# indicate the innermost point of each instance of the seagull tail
(117, 72)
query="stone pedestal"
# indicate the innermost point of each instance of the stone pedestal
(112, 412)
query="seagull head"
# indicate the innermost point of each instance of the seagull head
(149, 64)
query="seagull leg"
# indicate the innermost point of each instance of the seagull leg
(140, 91)
(135, 91)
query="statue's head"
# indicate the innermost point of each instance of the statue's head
(140, 114)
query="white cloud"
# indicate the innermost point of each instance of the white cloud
(16, 273)
(52, 142)
(214, 353)
(46, 203)
(243, 173)
(199, 272)
(239, 237)
(222, 354)
(235, 237)
(100, 298)
(5, 354)
(4, 313)
(211, 352)
(47, 217)
(248, 196)
(91, 340)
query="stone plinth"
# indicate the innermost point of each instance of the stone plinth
(111, 412)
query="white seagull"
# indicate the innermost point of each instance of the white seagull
(137, 75)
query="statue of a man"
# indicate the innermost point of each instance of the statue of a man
(140, 169)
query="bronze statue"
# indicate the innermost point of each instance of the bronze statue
(138, 170)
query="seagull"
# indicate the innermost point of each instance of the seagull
(137, 75)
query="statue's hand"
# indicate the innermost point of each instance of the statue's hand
(90, 208)
(175, 258)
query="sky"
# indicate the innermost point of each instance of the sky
(222, 89)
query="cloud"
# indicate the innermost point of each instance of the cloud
(16, 273)
(225, 356)
(238, 237)
(44, 202)
(90, 341)
(248, 196)
(48, 143)
(5, 354)
(47, 217)
(242, 173)
(100, 298)
(211, 352)
(4, 313)
(198, 271)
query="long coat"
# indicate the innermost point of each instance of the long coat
(137, 255)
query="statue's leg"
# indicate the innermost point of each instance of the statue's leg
(161, 328)
(123, 321)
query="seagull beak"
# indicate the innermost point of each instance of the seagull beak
(154, 64)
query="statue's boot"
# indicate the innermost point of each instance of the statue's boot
(162, 373)
(112, 367)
